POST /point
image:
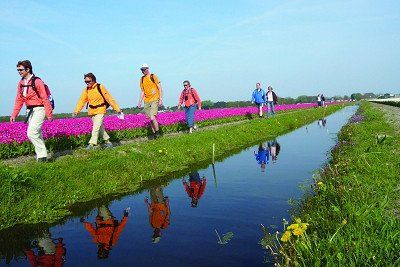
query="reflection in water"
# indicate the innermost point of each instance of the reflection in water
(106, 230)
(195, 188)
(159, 212)
(274, 149)
(50, 252)
(262, 156)
(321, 122)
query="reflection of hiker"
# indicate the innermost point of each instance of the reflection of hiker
(38, 106)
(262, 156)
(191, 100)
(271, 100)
(106, 230)
(258, 97)
(151, 93)
(274, 149)
(98, 99)
(195, 188)
(322, 122)
(159, 212)
(51, 253)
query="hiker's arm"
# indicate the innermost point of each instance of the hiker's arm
(180, 102)
(43, 96)
(197, 98)
(141, 99)
(19, 102)
(161, 94)
(110, 100)
(81, 102)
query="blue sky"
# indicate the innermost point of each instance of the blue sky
(222, 47)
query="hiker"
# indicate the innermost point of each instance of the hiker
(271, 100)
(98, 99)
(274, 149)
(191, 100)
(322, 100)
(262, 156)
(51, 252)
(258, 97)
(319, 100)
(106, 230)
(195, 188)
(151, 93)
(32, 91)
(159, 212)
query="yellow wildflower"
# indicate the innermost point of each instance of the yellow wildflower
(298, 231)
(344, 221)
(293, 226)
(320, 184)
(286, 236)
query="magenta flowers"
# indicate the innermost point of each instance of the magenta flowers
(16, 132)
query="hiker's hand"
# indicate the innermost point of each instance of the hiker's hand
(50, 119)
(12, 119)
(179, 107)
(74, 114)
(160, 102)
(126, 212)
(146, 200)
(199, 108)
(139, 105)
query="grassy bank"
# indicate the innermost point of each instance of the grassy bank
(353, 217)
(33, 193)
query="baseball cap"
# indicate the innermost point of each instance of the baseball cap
(144, 66)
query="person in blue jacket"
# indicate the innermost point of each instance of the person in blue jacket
(258, 97)
(262, 156)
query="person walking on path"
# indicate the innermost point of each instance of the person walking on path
(319, 100)
(98, 99)
(32, 92)
(151, 93)
(258, 97)
(191, 100)
(271, 101)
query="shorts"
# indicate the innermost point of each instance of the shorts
(151, 108)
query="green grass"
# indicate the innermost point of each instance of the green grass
(33, 193)
(353, 214)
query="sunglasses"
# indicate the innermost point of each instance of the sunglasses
(87, 82)
(20, 70)
(144, 69)
(186, 85)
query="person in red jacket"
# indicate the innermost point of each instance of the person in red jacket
(159, 212)
(191, 100)
(51, 253)
(106, 230)
(195, 188)
(37, 106)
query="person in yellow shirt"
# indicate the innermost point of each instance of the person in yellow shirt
(151, 93)
(97, 99)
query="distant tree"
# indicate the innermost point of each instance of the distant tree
(207, 104)
(346, 97)
(220, 104)
(356, 96)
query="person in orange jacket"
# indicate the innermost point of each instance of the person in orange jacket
(98, 99)
(38, 106)
(106, 230)
(159, 212)
(195, 188)
(50, 253)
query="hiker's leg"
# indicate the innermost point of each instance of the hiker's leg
(97, 123)
(190, 115)
(102, 132)
(272, 108)
(34, 131)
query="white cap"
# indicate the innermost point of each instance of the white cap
(144, 65)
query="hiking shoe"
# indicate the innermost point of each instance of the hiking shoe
(42, 160)
(91, 147)
(157, 134)
(191, 130)
(108, 145)
(195, 127)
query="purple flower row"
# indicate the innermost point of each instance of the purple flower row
(16, 132)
